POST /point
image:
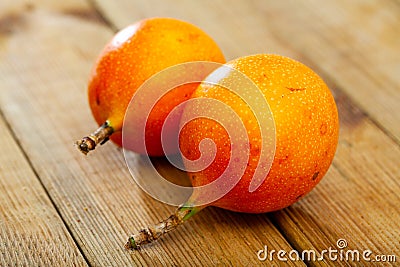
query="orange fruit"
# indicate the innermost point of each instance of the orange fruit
(306, 124)
(129, 59)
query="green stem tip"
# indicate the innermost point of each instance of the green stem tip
(100, 136)
(152, 233)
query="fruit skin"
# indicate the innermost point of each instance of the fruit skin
(307, 128)
(134, 55)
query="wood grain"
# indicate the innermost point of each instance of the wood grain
(47, 49)
(43, 97)
(31, 231)
(353, 43)
(355, 200)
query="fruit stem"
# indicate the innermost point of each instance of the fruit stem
(100, 136)
(152, 233)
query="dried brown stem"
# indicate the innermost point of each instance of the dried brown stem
(100, 136)
(151, 233)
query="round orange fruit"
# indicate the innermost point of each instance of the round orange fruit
(306, 125)
(133, 55)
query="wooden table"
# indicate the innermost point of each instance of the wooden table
(60, 208)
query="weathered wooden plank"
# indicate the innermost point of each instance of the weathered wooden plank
(356, 43)
(358, 199)
(353, 42)
(45, 61)
(31, 231)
